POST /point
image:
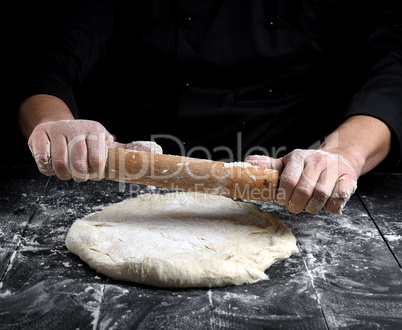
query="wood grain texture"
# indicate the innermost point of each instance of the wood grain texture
(191, 174)
(20, 192)
(356, 279)
(387, 214)
(345, 275)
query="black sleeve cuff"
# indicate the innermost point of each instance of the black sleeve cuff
(385, 108)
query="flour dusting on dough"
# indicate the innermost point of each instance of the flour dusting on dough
(182, 240)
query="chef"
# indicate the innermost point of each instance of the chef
(310, 88)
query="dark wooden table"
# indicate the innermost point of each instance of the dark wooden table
(346, 275)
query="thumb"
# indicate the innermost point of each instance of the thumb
(266, 162)
(147, 146)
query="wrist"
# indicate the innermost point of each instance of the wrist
(351, 155)
(39, 109)
(364, 141)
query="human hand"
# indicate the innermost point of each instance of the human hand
(76, 148)
(311, 180)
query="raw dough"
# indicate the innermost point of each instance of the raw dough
(182, 240)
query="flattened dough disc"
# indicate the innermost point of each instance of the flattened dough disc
(182, 240)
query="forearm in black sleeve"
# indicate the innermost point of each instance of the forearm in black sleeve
(66, 49)
(376, 43)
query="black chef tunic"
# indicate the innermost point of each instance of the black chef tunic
(226, 77)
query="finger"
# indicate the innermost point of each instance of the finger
(97, 153)
(78, 158)
(266, 162)
(304, 189)
(322, 192)
(294, 165)
(318, 170)
(109, 138)
(60, 157)
(344, 188)
(39, 144)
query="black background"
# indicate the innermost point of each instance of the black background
(20, 21)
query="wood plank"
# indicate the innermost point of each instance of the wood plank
(44, 262)
(43, 288)
(287, 298)
(20, 191)
(356, 278)
(343, 276)
(381, 195)
(37, 294)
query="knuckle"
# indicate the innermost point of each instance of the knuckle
(297, 154)
(42, 127)
(59, 164)
(319, 159)
(95, 160)
(80, 166)
(288, 180)
(93, 126)
(303, 191)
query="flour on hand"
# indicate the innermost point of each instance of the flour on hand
(180, 240)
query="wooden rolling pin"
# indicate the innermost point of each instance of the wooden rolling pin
(238, 180)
